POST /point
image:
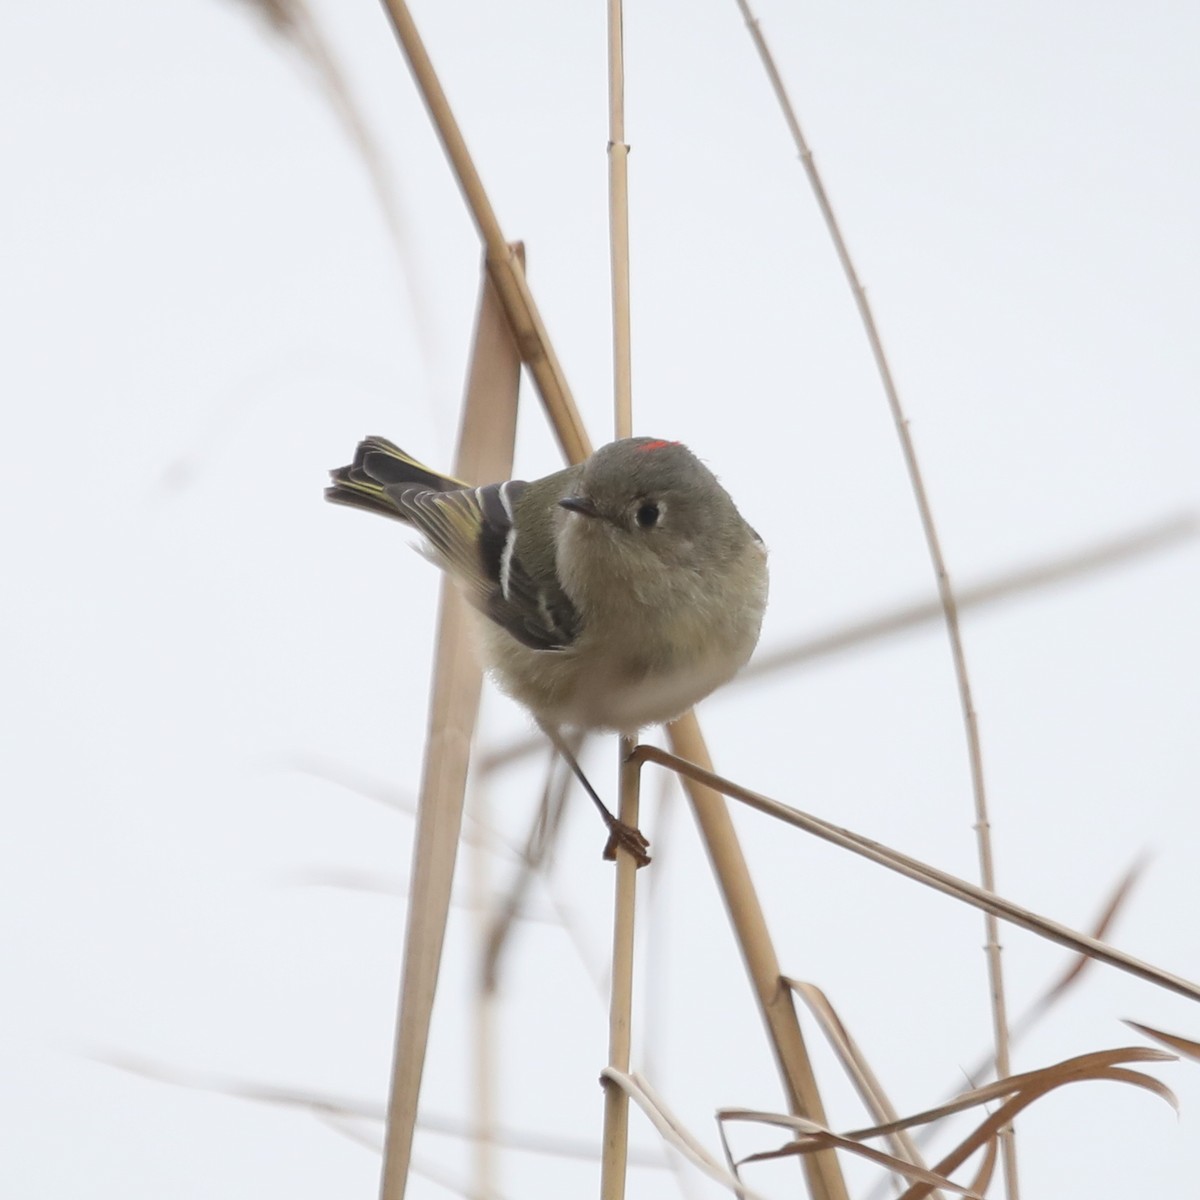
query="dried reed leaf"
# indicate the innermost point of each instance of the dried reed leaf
(673, 1131)
(485, 452)
(1098, 1064)
(1020, 1090)
(987, 1166)
(866, 1083)
(1181, 1045)
(1108, 914)
(815, 1136)
(1052, 1078)
(912, 868)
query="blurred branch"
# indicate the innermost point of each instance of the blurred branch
(383, 791)
(1166, 533)
(538, 845)
(1163, 534)
(326, 1104)
(295, 23)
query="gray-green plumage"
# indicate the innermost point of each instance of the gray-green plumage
(617, 592)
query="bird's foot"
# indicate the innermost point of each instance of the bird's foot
(628, 838)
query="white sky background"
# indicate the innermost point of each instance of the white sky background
(202, 312)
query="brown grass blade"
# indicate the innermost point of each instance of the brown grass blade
(814, 1136)
(1049, 1079)
(1108, 914)
(1098, 1064)
(866, 1083)
(1018, 1092)
(485, 452)
(912, 868)
(987, 1167)
(1181, 1045)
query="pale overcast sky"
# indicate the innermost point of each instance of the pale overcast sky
(204, 308)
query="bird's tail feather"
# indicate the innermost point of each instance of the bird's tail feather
(380, 466)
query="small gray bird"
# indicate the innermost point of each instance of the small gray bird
(616, 593)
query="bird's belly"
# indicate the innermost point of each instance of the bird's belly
(643, 679)
(628, 698)
(663, 695)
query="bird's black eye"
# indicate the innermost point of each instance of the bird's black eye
(647, 515)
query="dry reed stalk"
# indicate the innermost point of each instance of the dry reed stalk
(857, 1068)
(620, 1019)
(485, 452)
(504, 264)
(618, 216)
(913, 868)
(982, 824)
(483, 1023)
(824, 1173)
(620, 1014)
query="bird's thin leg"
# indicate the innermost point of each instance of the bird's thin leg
(619, 834)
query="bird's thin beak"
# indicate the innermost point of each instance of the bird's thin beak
(579, 504)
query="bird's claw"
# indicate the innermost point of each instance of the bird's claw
(628, 838)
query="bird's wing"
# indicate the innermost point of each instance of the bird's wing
(472, 534)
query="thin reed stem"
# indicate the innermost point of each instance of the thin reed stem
(484, 1172)
(915, 869)
(620, 1020)
(484, 452)
(620, 1017)
(945, 591)
(618, 217)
